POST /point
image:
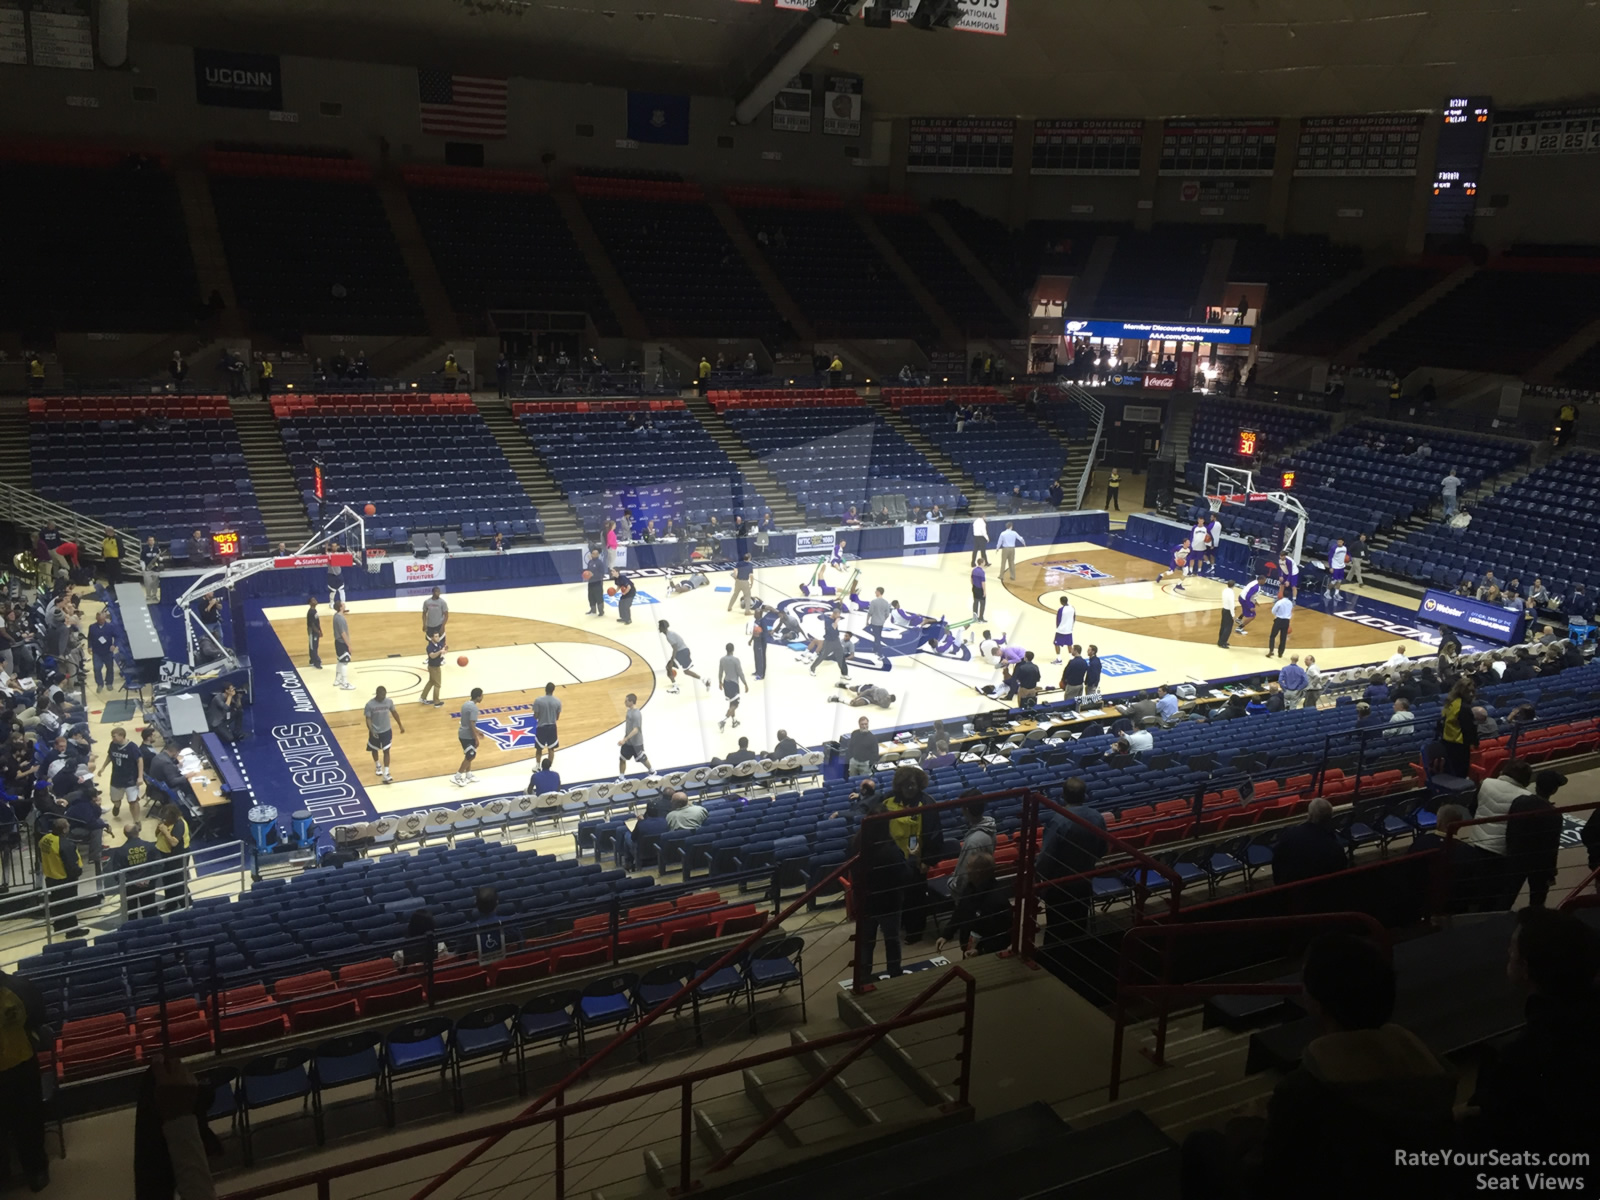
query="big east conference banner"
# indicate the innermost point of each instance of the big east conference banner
(977, 16)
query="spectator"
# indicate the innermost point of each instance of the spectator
(979, 838)
(1538, 1093)
(645, 833)
(62, 865)
(1457, 730)
(1293, 680)
(1309, 850)
(226, 716)
(422, 945)
(1448, 487)
(1364, 1089)
(172, 843)
(742, 754)
(879, 885)
(1091, 680)
(685, 815)
(1401, 721)
(861, 750)
(1495, 796)
(1166, 706)
(1140, 741)
(786, 746)
(981, 920)
(133, 860)
(1533, 839)
(87, 820)
(22, 1035)
(1070, 847)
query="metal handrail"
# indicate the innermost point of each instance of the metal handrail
(579, 1072)
(1166, 991)
(1096, 409)
(30, 510)
(867, 1035)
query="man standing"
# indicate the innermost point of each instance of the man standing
(435, 654)
(594, 570)
(502, 375)
(546, 712)
(314, 632)
(1091, 681)
(730, 674)
(1025, 675)
(742, 571)
(103, 648)
(1230, 614)
(631, 743)
(861, 750)
(1055, 493)
(1282, 610)
(1114, 490)
(980, 598)
(1358, 559)
(625, 594)
(1074, 673)
(980, 542)
(1292, 679)
(1338, 564)
(341, 648)
(435, 614)
(1008, 541)
(832, 648)
(469, 737)
(1448, 487)
(678, 658)
(1069, 847)
(138, 884)
(756, 634)
(381, 716)
(877, 615)
(1066, 621)
(127, 772)
(150, 557)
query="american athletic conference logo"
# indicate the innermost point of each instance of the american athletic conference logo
(1079, 570)
(510, 733)
(867, 652)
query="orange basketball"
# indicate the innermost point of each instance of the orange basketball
(611, 591)
(371, 510)
(462, 661)
(588, 574)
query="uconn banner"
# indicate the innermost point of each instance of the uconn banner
(233, 79)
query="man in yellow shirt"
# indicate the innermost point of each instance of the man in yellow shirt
(704, 376)
(111, 555)
(835, 371)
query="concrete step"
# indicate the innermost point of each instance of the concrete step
(561, 523)
(785, 508)
(277, 495)
(980, 501)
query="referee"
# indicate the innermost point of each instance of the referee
(1282, 610)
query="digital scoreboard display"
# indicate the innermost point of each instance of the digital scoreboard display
(1288, 480)
(226, 544)
(317, 482)
(1458, 162)
(1247, 443)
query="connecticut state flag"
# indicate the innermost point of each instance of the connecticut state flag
(658, 117)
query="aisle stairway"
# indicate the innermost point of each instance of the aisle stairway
(282, 510)
(600, 264)
(205, 244)
(785, 509)
(436, 307)
(15, 465)
(561, 524)
(981, 503)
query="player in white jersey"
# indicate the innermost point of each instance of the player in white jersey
(1066, 618)
(1181, 558)
(1338, 563)
(1213, 540)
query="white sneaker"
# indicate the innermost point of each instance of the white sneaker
(457, 780)
(469, 777)
(672, 690)
(723, 724)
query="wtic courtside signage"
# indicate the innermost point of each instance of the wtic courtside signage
(1471, 616)
(234, 79)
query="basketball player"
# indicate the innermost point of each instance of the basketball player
(1213, 525)
(1180, 565)
(1066, 618)
(1290, 570)
(381, 716)
(831, 648)
(678, 658)
(1247, 603)
(435, 652)
(435, 613)
(470, 739)
(631, 742)
(341, 648)
(1338, 562)
(546, 712)
(1199, 543)
(730, 673)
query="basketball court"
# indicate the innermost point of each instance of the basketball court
(516, 639)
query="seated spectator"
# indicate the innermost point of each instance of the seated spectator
(685, 815)
(1401, 722)
(1538, 1093)
(786, 746)
(421, 947)
(1469, 869)
(742, 754)
(1484, 720)
(1309, 850)
(1364, 1089)
(1166, 706)
(543, 779)
(1377, 691)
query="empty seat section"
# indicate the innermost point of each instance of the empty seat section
(1385, 291)
(1295, 266)
(933, 263)
(1156, 274)
(997, 444)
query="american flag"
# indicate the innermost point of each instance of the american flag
(462, 105)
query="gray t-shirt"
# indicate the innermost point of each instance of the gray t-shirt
(730, 669)
(341, 627)
(547, 710)
(469, 720)
(878, 611)
(434, 611)
(1449, 484)
(378, 713)
(633, 727)
(877, 695)
(675, 640)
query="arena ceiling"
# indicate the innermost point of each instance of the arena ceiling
(1060, 57)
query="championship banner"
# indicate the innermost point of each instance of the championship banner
(1216, 147)
(410, 569)
(791, 107)
(841, 106)
(961, 145)
(977, 16)
(61, 34)
(1371, 145)
(13, 34)
(1073, 147)
(1545, 131)
(233, 79)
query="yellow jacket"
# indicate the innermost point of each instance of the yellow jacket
(57, 855)
(903, 829)
(172, 843)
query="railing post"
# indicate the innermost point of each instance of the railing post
(685, 1138)
(561, 1145)
(324, 1188)
(614, 921)
(216, 997)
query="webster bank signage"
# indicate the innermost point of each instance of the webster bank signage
(234, 79)
(1471, 616)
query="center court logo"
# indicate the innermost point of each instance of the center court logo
(510, 733)
(1078, 570)
(870, 653)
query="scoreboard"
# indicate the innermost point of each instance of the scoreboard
(225, 544)
(1247, 443)
(1458, 160)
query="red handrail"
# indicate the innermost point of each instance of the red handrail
(644, 1022)
(868, 1034)
(879, 1032)
(1165, 991)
